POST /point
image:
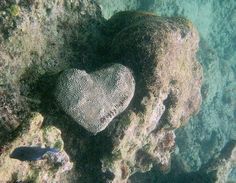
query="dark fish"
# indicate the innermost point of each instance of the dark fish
(25, 153)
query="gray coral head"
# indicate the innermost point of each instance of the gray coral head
(94, 99)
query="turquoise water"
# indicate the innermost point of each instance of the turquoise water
(208, 132)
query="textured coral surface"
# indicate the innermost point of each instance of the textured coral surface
(93, 100)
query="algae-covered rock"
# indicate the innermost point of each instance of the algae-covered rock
(38, 38)
(161, 53)
(13, 111)
(49, 168)
(219, 168)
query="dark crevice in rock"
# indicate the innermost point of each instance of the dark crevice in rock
(176, 175)
(14, 111)
(144, 160)
(208, 173)
(169, 104)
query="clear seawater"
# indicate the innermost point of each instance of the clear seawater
(215, 125)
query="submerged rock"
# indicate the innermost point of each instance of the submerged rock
(36, 37)
(94, 99)
(161, 53)
(49, 168)
(218, 169)
(13, 111)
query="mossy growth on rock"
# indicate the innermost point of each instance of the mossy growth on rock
(39, 39)
(52, 138)
(35, 171)
(14, 10)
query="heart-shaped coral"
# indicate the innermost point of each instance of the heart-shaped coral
(94, 99)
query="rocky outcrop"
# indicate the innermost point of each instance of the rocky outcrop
(38, 38)
(219, 168)
(48, 169)
(214, 126)
(94, 99)
(161, 53)
(13, 110)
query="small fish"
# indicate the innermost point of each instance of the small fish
(25, 153)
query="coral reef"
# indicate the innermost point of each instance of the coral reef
(39, 39)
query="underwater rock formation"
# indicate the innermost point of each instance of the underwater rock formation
(48, 169)
(39, 39)
(94, 99)
(214, 125)
(11, 105)
(161, 53)
(219, 168)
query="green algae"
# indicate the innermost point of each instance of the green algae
(14, 10)
(33, 176)
(56, 141)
